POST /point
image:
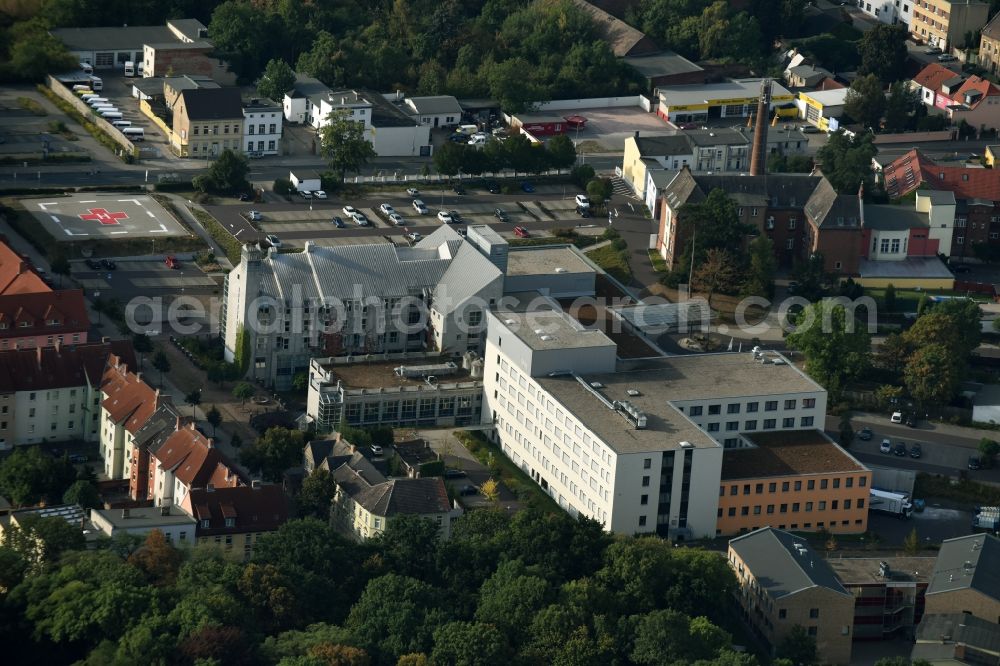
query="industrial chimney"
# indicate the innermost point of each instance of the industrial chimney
(758, 156)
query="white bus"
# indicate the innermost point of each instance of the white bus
(96, 83)
(130, 69)
(134, 133)
(111, 114)
(94, 101)
(122, 124)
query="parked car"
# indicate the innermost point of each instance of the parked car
(468, 490)
(915, 451)
(500, 214)
(809, 129)
(975, 463)
(946, 57)
(911, 420)
(93, 264)
(306, 194)
(413, 192)
(319, 194)
(254, 215)
(493, 187)
(582, 201)
(387, 209)
(397, 219)
(458, 138)
(419, 206)
(376, 450)
(458, 188)
(77, 458)
(521, 232)
(900, 449)
(108, 264)
(454, 474)
(583, 211)
(359, 219)
(865, 434)
(414, 237)
(960, 268)
(932, 50)
(172, 262)
(349, 210)
(273, 240)
(885, 446)
(897, 417)
(445, 217)
(337, 222)
(456, 217)
(526, 186)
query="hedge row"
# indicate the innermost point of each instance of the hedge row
(226, 241)
(92, 129)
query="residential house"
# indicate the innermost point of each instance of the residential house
(435, 110)
(262, 128)
(990, 154)
(207, 121)
(806, 76)
(783, 584)
(181, 44)
(889, 593)
(945, 23)
(175, 85)
(966, 579)
(934, 80)
(177, 526)
(17, 275)
(349, 299)
(235, 518)
(156, 429)
(989, 46)
(53, 393)
(186, 460)
(392, 131)
(365, 503)
(975, 231)
(972, 99)
(636, 445)
(43, 319)
(798, 480)
(947, 639)
(417, 459)
(126, 403)
(890, 11)
(297, 103)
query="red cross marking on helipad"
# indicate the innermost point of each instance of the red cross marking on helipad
(103, 216)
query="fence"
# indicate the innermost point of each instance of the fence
(147, 110)
(88, 114)
(595, 103)
(396, 177)
(915, 137)
(976, 287)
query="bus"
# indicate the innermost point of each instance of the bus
(134, 133)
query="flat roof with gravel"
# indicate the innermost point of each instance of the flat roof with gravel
(544, 260)
(786, 453)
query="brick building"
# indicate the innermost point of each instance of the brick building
(967, 578)
(43, 319)
(206, 121)
(782, 583)
(796, 479)
(889, 593)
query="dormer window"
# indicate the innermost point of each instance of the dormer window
(52, 322)
(965, 176)
(230, 522)
(24, 324)
(205, 523)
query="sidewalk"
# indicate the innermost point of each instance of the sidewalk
(192, 221)
(22, 246)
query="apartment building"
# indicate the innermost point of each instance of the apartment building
(262, 127)
(965, 578)
(794, 479)
(207, 121)
(636, 445)
(283, 309)
(945, 23)
(956, 638)
(235, 519)
(989, 46)
(958, 96)
(177, 526)
(126, 404)
(53, 393)
(889, 11)
(783, 584)
(17, 275)
(412, 390)
(43, 319)
(888, 593)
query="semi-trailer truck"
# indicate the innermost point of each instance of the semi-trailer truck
(892, 503)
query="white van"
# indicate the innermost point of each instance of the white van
(468, 130)
(96, 83)
(130, 69)
(104, 106)
(86, 97)
(87, 68)
(93, 101)
(78, 87)
(122, 124)
(134, 133)
(111, 115)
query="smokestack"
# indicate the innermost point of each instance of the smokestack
(758, 158)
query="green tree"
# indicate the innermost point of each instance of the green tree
(35, 53)
(865, 101)
(316, 496)
(988, 448)
(923, 304)
(161, 363)
(42, 541)
(518, 153)
(932, 376)
(847, 162)
(396, 615)
(837, 347)
(274, 452)
(511, 597)
(157, 559)
(889, 299)
(510, 88)
(717, 273)
(883, 52)
(887, 395)
(28, 475)
(893, 353)
(344, 145)
(83, 493)
(665, 637)
(326, 60)
(193, 398)
(798, 647)
(236, 441)
(277, 79)
(409, 546)
(448, 158)
(214, 418)
(846, 430)
(760, 277)
(717, 225)
(900, 107)
(243, 392)
(894, 661)
(966, 316)
(561, 152)
(227, 174)
(300, 381)
(911, 544)
(470, 644)
(142, 345)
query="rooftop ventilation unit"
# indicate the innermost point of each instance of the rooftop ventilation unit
(633, 392)
(561, 270)
(509, 322)
(546, 338)
(408, 371)
(596, 385)
(687, 445)
(635, 415)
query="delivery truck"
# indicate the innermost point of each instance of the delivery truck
(890, 502)
(986, 519)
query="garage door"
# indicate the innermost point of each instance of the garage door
(812, 114)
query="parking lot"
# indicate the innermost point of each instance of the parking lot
(90, 216)
(610, 127)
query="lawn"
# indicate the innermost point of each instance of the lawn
(907, 299)
(612, 260)
(505, 471)
(659, 264)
